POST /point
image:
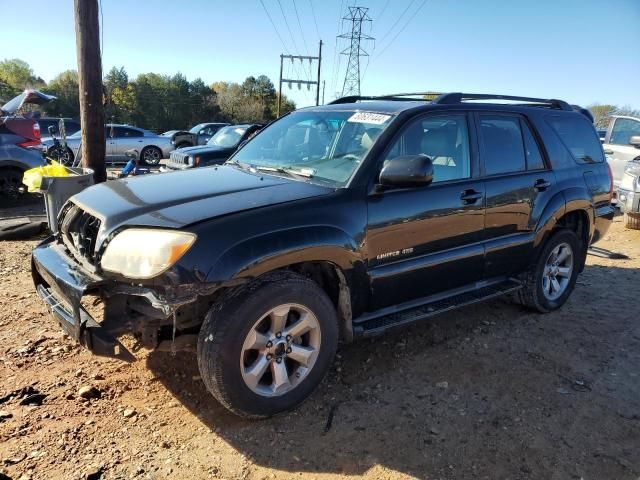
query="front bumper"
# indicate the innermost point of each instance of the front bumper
(628, 201)
(61, 284)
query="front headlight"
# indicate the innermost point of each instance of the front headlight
(145, 253)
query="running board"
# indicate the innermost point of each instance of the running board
(368, 325)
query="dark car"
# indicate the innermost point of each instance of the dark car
(333, 223)
(20, 142)
(197, 135)
(71, 126)
(217, 150)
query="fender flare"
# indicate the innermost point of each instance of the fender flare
(564, 202)
(264, 253)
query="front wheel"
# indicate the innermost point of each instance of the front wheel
(551, 279)
(61, 155)
(266, 348)
(151, 155)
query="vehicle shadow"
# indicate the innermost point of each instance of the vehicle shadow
(472, 393)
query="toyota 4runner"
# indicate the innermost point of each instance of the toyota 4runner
(334, 222)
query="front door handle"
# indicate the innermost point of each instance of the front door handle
(541, 185)
(470, 196)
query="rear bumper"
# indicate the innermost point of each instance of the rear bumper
(61, 284)
(603, 218)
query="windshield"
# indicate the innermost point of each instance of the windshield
(197, 128)
(227, 137)
(321, 146)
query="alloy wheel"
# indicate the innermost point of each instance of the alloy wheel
(280, 350)
(557, 271)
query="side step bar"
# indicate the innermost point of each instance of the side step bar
(368, 325)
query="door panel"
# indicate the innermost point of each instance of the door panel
(423, 241)
(517, 188)
(426, 240)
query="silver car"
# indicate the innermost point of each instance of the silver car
(119, 138)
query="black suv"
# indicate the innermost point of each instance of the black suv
(332, 223)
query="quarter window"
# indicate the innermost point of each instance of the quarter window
(623, 130)
(502, 144)
(578, 136)
(534, 157)
(444, 139)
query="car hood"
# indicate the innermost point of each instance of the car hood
(178, 199)
(202, 149)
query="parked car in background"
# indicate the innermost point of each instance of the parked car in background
(602, 133)
(119, 138)
(335, 222)
(217, 150)
(20, 142)
(198, 135)
(71, 126)
(619, 146)
(629, 195)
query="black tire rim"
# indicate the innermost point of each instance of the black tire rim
(151, 156)
(10, 184)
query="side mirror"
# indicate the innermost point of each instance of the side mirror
(635, 141)
(407, 171)
(51, 130)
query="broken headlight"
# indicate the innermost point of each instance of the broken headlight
(144, 252)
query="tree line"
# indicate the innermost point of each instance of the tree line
(153, 101)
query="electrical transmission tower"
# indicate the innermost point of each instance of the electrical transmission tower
(357, 16)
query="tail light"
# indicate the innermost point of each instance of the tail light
(610, 182)
(36, 130)
(29, 143)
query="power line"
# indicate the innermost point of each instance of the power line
(275, 28)
(306, 49)
(334, 75)
(295, 46)
(315, 20)
(397, 21)
(402, 29)
(384, 9)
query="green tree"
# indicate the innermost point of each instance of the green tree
(65, 87)
(601, 114)
(17, 75)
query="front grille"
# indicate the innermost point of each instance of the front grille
(179, 158)
(79, 232)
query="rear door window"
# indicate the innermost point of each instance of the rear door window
(578, 136)
(502, 144)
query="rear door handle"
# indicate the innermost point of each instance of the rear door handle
(470, 196)
(541, 185)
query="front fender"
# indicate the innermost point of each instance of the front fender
(258, 255)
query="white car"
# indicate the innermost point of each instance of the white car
(620, 146)
(119, 138)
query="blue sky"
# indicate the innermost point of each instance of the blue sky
(583, 51)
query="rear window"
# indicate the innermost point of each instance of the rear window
(579, 136)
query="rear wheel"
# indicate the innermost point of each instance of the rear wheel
(11, 186)
(151, 155)
(632, 221)
(264, 349)
(61, 155)
(550, 281)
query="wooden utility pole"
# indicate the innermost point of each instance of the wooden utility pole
(299, 81)
(90, 87)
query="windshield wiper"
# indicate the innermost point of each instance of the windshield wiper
(308, 173)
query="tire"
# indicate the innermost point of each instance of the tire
(251, 313)
(151, 155)
(537, 292)
(11, 183)
(632, 221)
(65, 157)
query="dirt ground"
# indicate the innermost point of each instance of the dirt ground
(488, 392)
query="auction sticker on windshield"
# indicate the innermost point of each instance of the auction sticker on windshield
(368, 117)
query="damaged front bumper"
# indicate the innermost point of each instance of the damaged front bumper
(61, 284)
(146, 312)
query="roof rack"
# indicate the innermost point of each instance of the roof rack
(453, 98)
